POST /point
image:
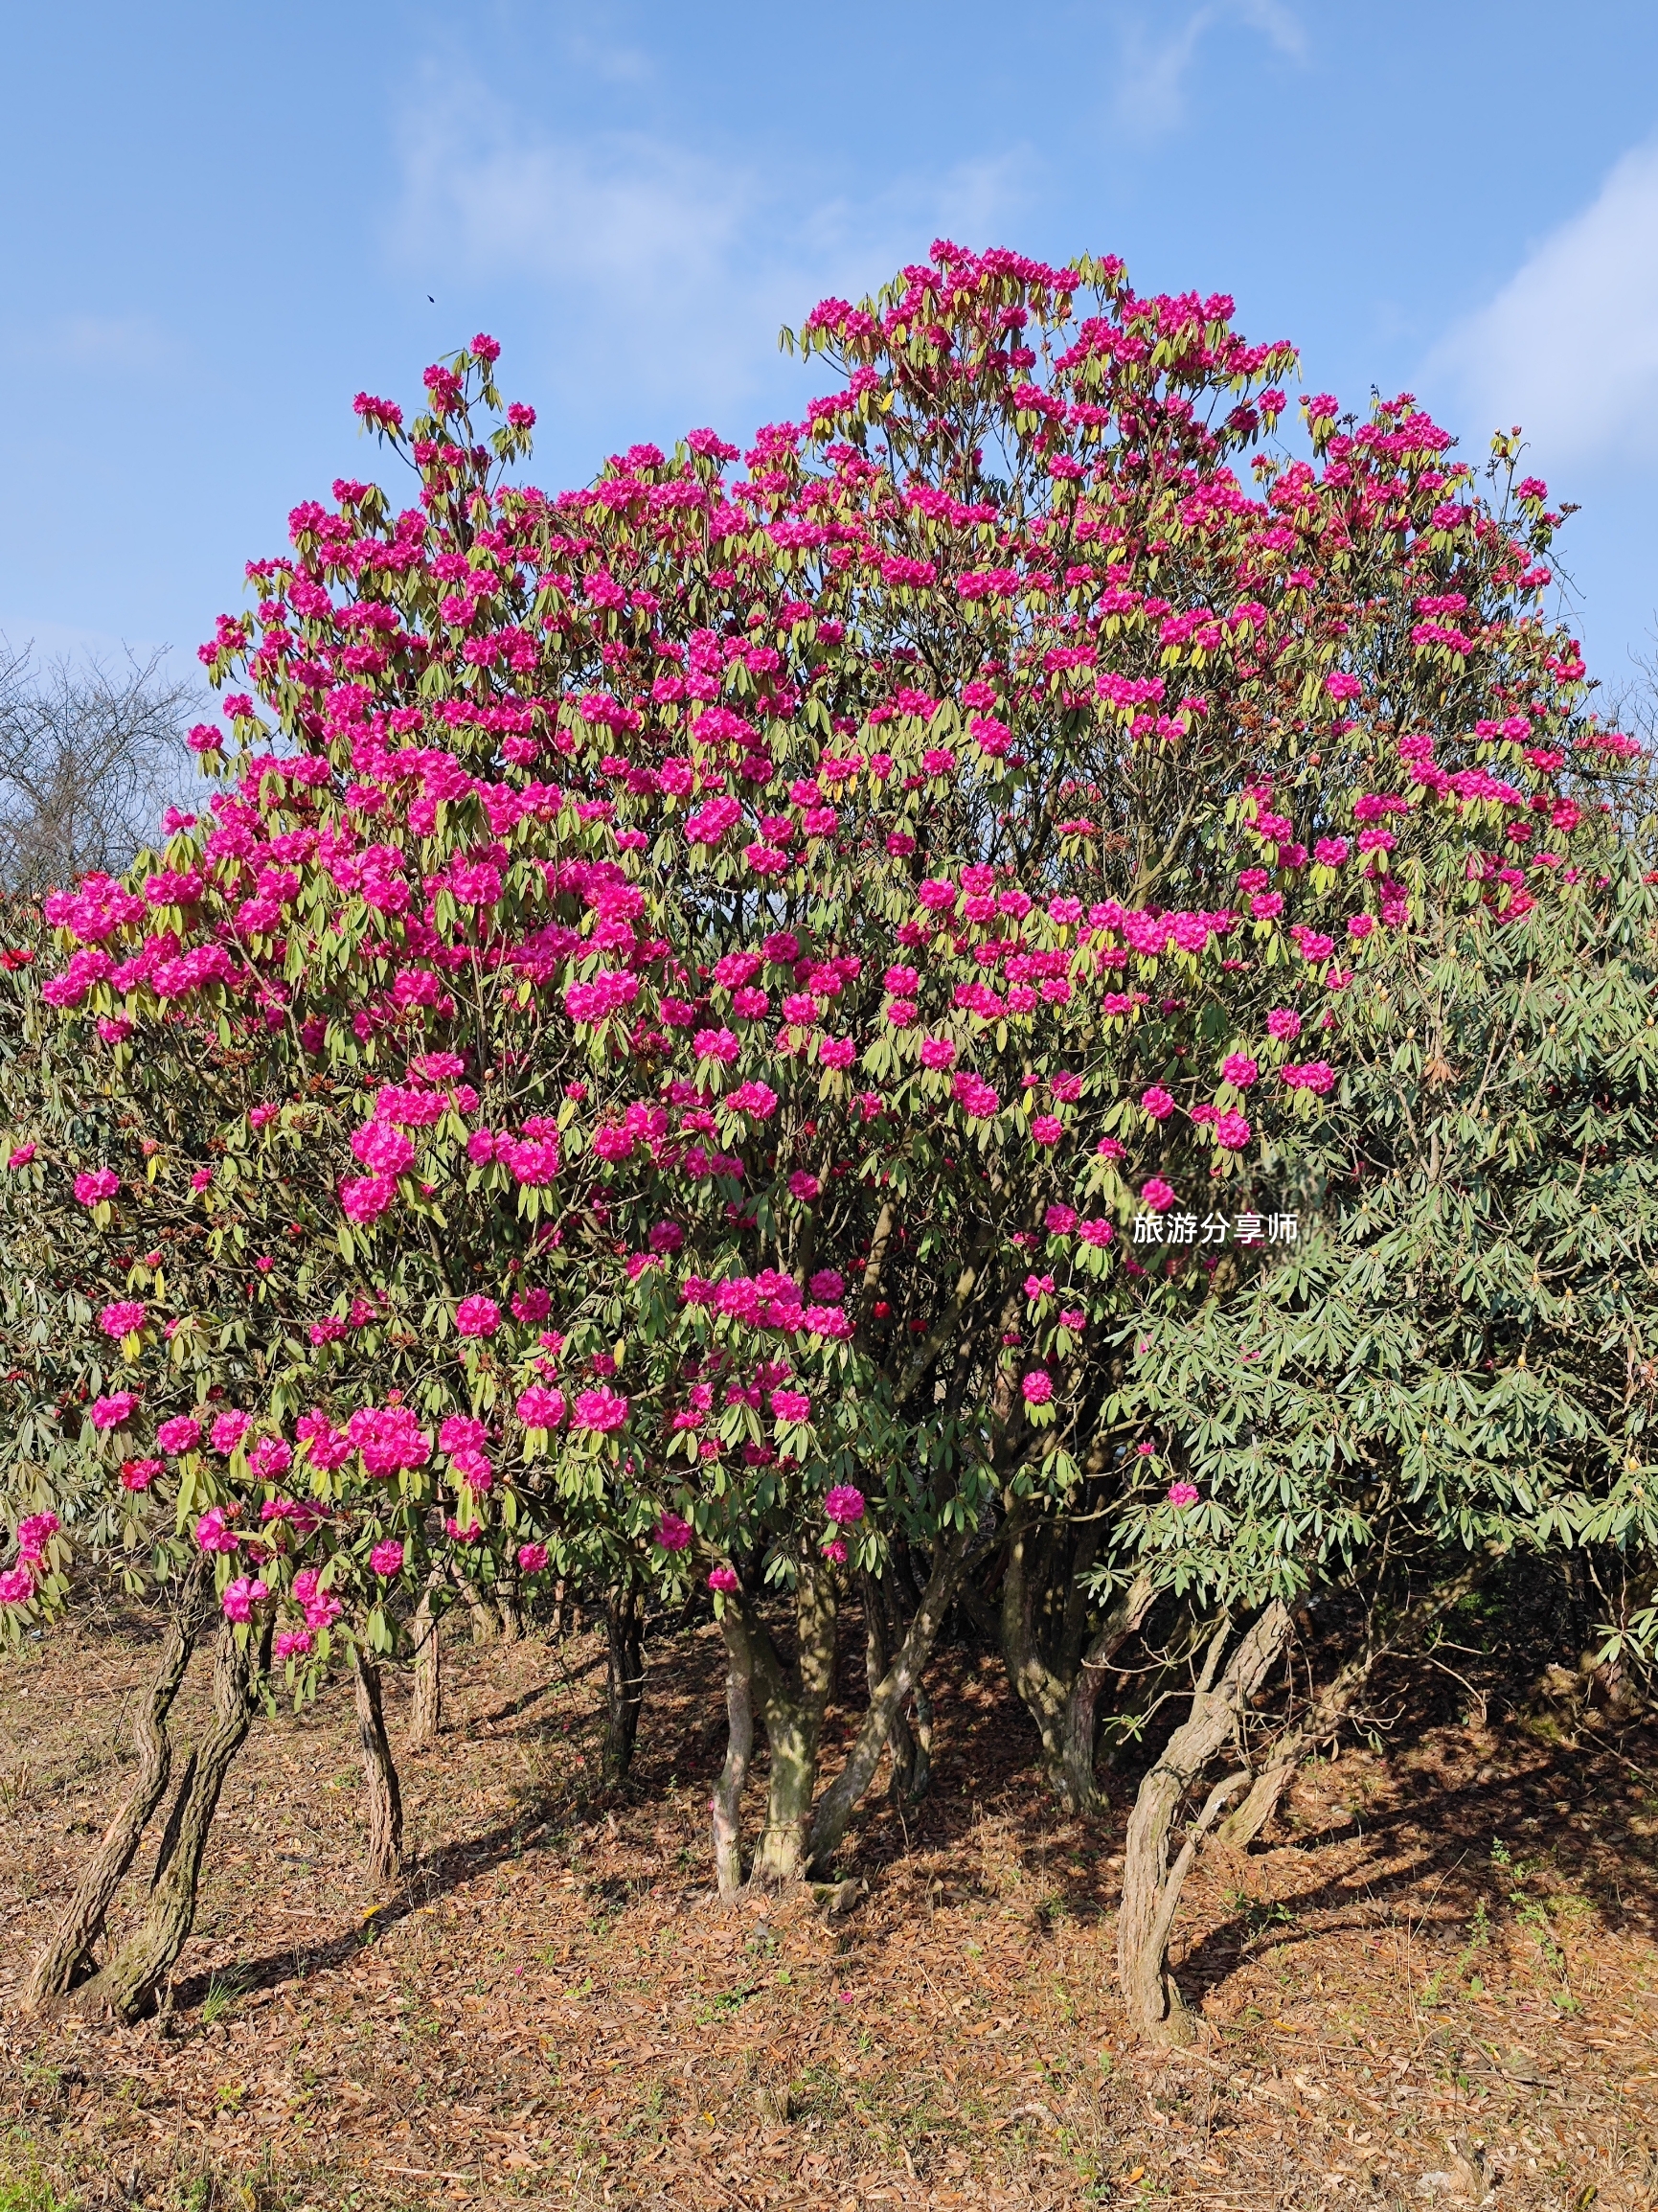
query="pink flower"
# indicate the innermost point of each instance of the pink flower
(666, 1236)
(532, 1558)
(202, 1179)
(387, 1559)
(180, 1434)
(804, 1186)
(1157, 1195)
(16, 1587)
(1038, 1387)
(977, 1098)
(124, 1318)
(1182, 1493)
(792, 1405)
(834, 1550)
(114, 1410)
(598, 1410)
(364, 1198)
(1284, 1023)
(381, 1148)
(1157, 1103)
(33, 1534)
(754, 1098)
(21, 1157)
(1096, 1231)
(228, 1432)
(212, 1535)
(722, 1579)
(1239, 1070)
(531, 1305)
(1232, 1133)
(837, 1051)
(473, 1468)
(844, 1504)
(139, 1474)
(828, 1285)
(91, 1189)
(240, 1598)
(477, 1317)
(1059, 1221)
(293, 1644)
(1360, 925)
(539, 1408)
(937, 1052)
(1047, 1128)
(460, 1432)
(673, 1533)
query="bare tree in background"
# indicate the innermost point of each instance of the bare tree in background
(88, 758)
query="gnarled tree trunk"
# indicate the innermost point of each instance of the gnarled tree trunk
(1150, 1886)
(426, 1695)
(128, 1984)
(791, 1708)
(1332, 1705)
(625, 1678)
(385, 1800)
(829, 1825)
(726, 1804)
(81, 1924)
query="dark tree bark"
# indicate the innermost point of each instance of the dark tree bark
(68, 1949)
(625, 1678)
(127, 1986)
(385, 1801)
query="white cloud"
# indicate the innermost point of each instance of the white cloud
(667, 269)
(1568, 348)
(1151, 91)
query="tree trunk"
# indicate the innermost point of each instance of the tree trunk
(726, 1804)
(1150, 1886)
(834, 1813)
(127, 1986)
(791, 1707)
(485, 1620)
(1080, 1788)
(379, 1773)
(1039, 1690)
(511, 1610)
(625, 1678)
(426, 1700)
(1331, 1707)
(1319, 1725)
(81, 1924)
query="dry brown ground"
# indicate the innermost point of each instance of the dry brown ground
(1437, 1984)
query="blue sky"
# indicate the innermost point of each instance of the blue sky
(217, 223)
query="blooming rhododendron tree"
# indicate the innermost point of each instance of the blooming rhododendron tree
(729, 955)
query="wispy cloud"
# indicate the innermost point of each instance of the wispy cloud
(1569, 346)
(1154, 66)
(663, 269)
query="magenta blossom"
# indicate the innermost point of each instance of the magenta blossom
(1284, 1023)
(293, 1644)
(539, 1408)
(1182, 1493)
(477, 1317)
(240, 1598)
(673, 1533)
(1232, 1133)
(387, 1559)
(1239, 1070)
(180, 1434)
(598, 1410)
(532, 1558)
(1038, 1387)
(101, 1183)
(1156, 1193)
(722, 1579)
(1157, 1103)
(844, 1504)
(114, 1410)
